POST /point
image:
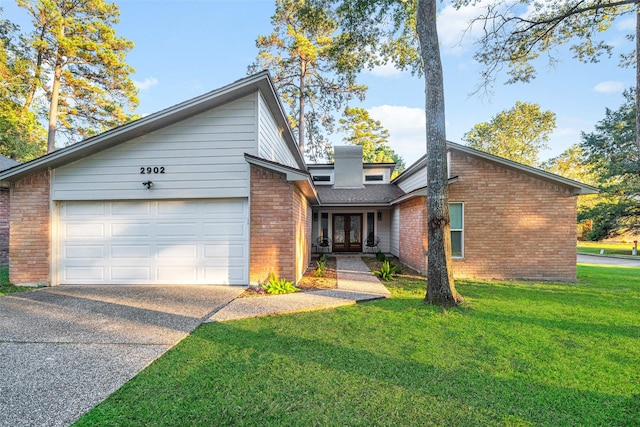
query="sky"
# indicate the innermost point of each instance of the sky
(184, 48)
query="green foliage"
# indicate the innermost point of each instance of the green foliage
(313, 76)
(519, 354)
(323, 257)
(516, 36)
(78, 61)
(387, 271)
(380, 256)
(321, 266)
(517, 134)
(361, 129)
(612, 155)
(277, 286)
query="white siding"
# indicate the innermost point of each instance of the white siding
(395, 232)
(415, 181)
(202, 157)
(271, 145)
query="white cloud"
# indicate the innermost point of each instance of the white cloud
(407, 129)
(626, 24)
(609, 87)
(146, 83)
(387, 70)
(454, 33)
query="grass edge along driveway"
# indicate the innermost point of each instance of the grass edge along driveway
(517, 353)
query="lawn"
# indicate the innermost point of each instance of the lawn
(609, 248)
(5, 286)
(516, 354)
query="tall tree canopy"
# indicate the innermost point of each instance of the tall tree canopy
(361, 129)
(21, 136)
(78, 61)
(518, 33)
(517, 134)
(314, 78)
(610, 152)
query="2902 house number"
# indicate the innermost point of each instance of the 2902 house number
(151, 169)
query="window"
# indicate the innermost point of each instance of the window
(324, 224)
(456, 216)
(322, 178)
(369, 178)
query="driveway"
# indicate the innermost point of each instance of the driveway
(65, 349)
(607, 260)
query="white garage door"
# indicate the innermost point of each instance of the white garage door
(153, 242)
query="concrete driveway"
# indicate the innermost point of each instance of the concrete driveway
(605, 260)
(65, 349)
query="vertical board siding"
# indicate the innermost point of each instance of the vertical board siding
(271, 144)
(395, 232)
(202, 157)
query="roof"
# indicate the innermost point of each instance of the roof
(6, 163)
(577, 187)
(258, 82)
(373, 194)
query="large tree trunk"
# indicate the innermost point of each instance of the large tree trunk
(53, 109)
(440, 284)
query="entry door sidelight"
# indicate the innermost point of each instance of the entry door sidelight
(347, 232)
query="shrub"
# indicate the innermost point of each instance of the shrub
(380, 256)
(323, 258)
(277, 286)
(321, 267)
(386, 272)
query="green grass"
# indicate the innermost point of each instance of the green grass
(609, 248)
(516, 354)
(5, 286)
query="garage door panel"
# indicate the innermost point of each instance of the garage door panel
(153, 242)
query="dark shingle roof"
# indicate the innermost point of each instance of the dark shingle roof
(6, 163)
(374, 194)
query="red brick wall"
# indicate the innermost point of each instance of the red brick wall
(4, 226)
(29, 220)
(515, 226)
(413, 233)
(280, 227)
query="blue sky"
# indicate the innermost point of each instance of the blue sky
(186, 48)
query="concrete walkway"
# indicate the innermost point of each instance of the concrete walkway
(64, 349)
(355, 283)
(608, 260)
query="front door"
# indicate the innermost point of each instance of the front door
(347, 233)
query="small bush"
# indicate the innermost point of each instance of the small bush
(380, 256)
(277, 286)
(321, 268)
(323, 258)
(387, 271)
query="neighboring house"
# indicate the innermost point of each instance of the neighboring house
(5, 163)
(215, 191)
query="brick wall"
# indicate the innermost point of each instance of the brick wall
(515, 226)
(4, 226)
(413, 233)
(280, 227)
(29, 220)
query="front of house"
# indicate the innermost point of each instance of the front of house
(215, 191)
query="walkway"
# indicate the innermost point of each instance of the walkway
(355, 283)
(608, 260)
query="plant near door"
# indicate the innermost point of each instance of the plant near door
(387, 271)
(277, 286)
(321, 266)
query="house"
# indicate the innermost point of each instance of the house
(215, 191)
(5, 163)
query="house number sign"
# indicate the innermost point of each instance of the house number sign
(151, 169)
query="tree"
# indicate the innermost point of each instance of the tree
(611, 154)
(79, 62)
(314, 79)
(397, 31)
(361, 129)
(21, 136)
(518, 33)
(517, 134)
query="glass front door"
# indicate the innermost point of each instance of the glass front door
(347, 233)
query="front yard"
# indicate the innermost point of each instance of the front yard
(610, 248)
(515, 354)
